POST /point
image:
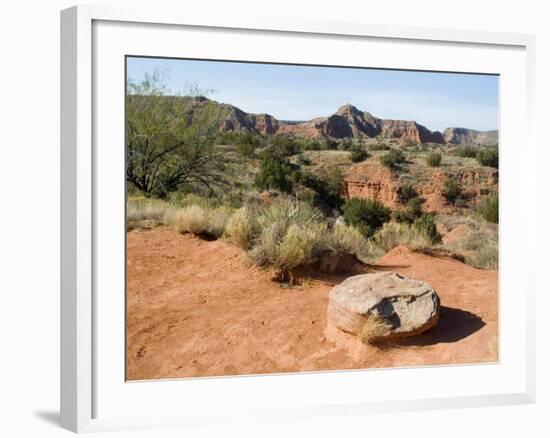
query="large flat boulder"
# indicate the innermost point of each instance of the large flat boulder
(383, 306)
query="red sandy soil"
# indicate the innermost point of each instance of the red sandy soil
(199, 308)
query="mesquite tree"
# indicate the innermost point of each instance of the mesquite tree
(169, 139)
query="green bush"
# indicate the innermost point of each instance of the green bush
(328, 144)
(286, 145)
(311, 145)
(426, 224)
(489, 209)
(411, 212)
(246, 143)
(451, 190)
(488, 157)
(406, 192)
(326, 186)
(465, 152)
(433, 159)
(379, 147)
(274, 174)
(366, 215)
(345, 145)
(358, 155)
(392, 159)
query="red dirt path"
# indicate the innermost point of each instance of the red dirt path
(198, 308)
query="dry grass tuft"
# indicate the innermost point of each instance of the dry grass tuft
(393, 234)
(242, 228)
(217, 219)
(478, 246)
(374, 329)
(144, 212)
(346, 239)
(192, 219)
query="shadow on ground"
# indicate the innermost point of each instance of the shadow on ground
(453, 325)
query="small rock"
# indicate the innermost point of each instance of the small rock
(383, 306)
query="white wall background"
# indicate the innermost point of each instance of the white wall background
(29, 214)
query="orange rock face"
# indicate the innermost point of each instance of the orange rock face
(372, 181)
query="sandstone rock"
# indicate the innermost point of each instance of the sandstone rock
(404, 307)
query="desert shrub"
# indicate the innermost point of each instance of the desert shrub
(301, 245)
(489, 209)
(304, 161)
(478, 245)
(392, 159)
(465, 152)
(488, 157)
(379, 147)
(287, 212)
(328, 144)
(345, 145)
(358, 155)
(246, 143)
(246, 149)
(451, 190)
(366, 215)
(242, 228)
(286, 145)
(274, 174)
(326, 187)
(345, 239)
(311, 145)
(406, 192)
(411, 212)
(393, 234)
(425, 224)
(293, 234)
(433, 159)
(486, 257)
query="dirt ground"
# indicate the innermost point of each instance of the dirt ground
(198, 308)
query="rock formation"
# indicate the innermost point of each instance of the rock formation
(470, 137)
(346, 122)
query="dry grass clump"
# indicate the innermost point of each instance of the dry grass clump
(145, 212)
(242, 228)
(198, 220)
(217, 219)
(374, 329)
(478, 246)
(393, 234)
(300, 246)
(345, 239)
(192, 219)
(287, 212)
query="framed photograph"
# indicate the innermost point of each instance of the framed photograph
(281, 219)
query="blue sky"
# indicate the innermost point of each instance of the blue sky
(436, 100)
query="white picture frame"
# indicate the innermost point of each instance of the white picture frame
(84, 176)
